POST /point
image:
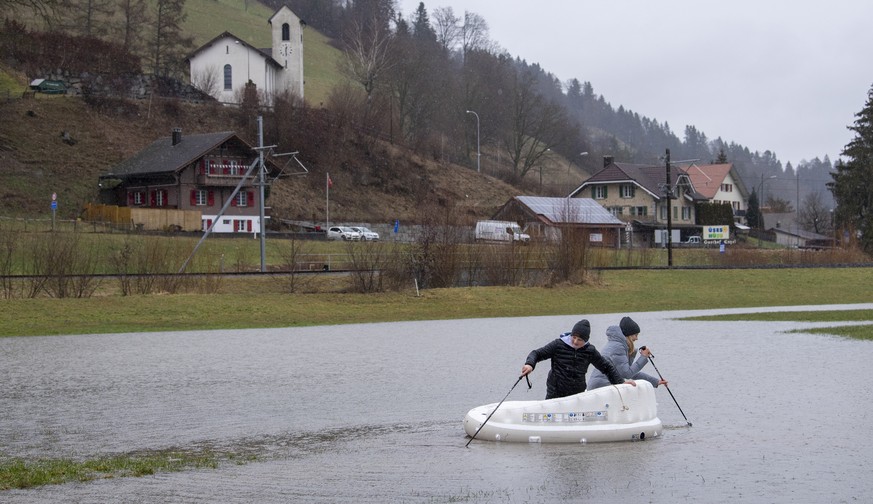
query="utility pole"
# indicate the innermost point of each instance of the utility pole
(262, 182)
(669, 214)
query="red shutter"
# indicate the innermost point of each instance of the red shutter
(193, 197)
(250, 201)
(130, 199)
(249, 226)
(226, 167)
(165, 195)
(210, 198)
(153, 199)
(233, 201)
(208, 224)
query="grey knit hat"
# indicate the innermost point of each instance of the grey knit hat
(629, 327)
(582, 329)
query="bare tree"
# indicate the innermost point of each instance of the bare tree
(169, 42)
(134, 19)
(208, 81)
(44, 9)
(474, 33)
(87, 17)
(536, 126)
(367, 53)
(447, 28)
(813, 215)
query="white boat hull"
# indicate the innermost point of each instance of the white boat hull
(613, 413)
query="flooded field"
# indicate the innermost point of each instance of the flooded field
(373, 413)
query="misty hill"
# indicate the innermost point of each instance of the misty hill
(380, 139)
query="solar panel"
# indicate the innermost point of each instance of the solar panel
(569, 210)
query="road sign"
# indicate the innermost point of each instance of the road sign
(54, 205)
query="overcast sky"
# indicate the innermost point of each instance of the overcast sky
(781, 75)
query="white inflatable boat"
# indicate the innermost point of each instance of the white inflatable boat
(613, 413)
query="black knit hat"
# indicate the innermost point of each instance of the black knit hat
(629, 327)
(582, 329)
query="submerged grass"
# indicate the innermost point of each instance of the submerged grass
(862, 332)
(19, 473)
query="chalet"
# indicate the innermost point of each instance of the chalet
(193, 173)
(223, 66)
(636, 194)
(720, 183)
(547, 218)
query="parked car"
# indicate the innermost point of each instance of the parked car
(366, 233)
(343, 233)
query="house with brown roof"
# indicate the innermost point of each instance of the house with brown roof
(720, 184)
(637, 194)
(204, 173)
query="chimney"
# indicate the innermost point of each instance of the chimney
(607, 160)
(177, 136)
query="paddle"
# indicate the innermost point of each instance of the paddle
(652, 358)
(495, 409)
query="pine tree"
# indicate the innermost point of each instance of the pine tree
(753, 214)
(854, 178)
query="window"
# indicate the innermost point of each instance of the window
(234, 167)
(639, 211)
(663, 212)
(200, 197)
(675, 212)
(286, 32)
(727, 187)
(686, 213)
(598, 192)
(240, 225)
(241, 199)
(228, 78)
(627, 190)
(158, 198)
(137, 198)
(615, 210)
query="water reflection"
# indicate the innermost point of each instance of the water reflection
(373, 413)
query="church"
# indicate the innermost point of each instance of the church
(224, 65)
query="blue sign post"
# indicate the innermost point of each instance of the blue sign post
(54, 208)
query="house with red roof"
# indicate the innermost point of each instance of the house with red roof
(720, 184)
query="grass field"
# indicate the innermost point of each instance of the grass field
(260, 302)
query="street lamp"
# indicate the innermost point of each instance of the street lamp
(581, 154)
(478, 154)
(761, 189)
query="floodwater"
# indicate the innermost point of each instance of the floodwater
(373, 413)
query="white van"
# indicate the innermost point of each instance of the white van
(490, 230)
